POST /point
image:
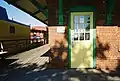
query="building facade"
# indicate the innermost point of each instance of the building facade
(82, 33)
(38, 34)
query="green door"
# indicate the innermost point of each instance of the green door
(81, 39)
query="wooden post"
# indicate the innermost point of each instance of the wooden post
(61, 12)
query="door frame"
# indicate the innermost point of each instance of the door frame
(82, 9)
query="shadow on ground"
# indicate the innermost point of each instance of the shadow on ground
(34, 72)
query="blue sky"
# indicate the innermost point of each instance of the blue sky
(19, 15)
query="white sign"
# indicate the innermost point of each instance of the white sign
(61, 29)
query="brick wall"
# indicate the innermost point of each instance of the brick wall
(107, 46)
(55, 36)
(58, 43)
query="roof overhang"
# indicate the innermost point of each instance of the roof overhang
(36, 8)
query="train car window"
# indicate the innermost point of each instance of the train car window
(12, 29)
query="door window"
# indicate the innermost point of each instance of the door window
(82, 27)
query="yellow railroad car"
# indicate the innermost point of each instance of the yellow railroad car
(13, 35)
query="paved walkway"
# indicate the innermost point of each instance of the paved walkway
(31, 66)
(29, 59)
(32, 56)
